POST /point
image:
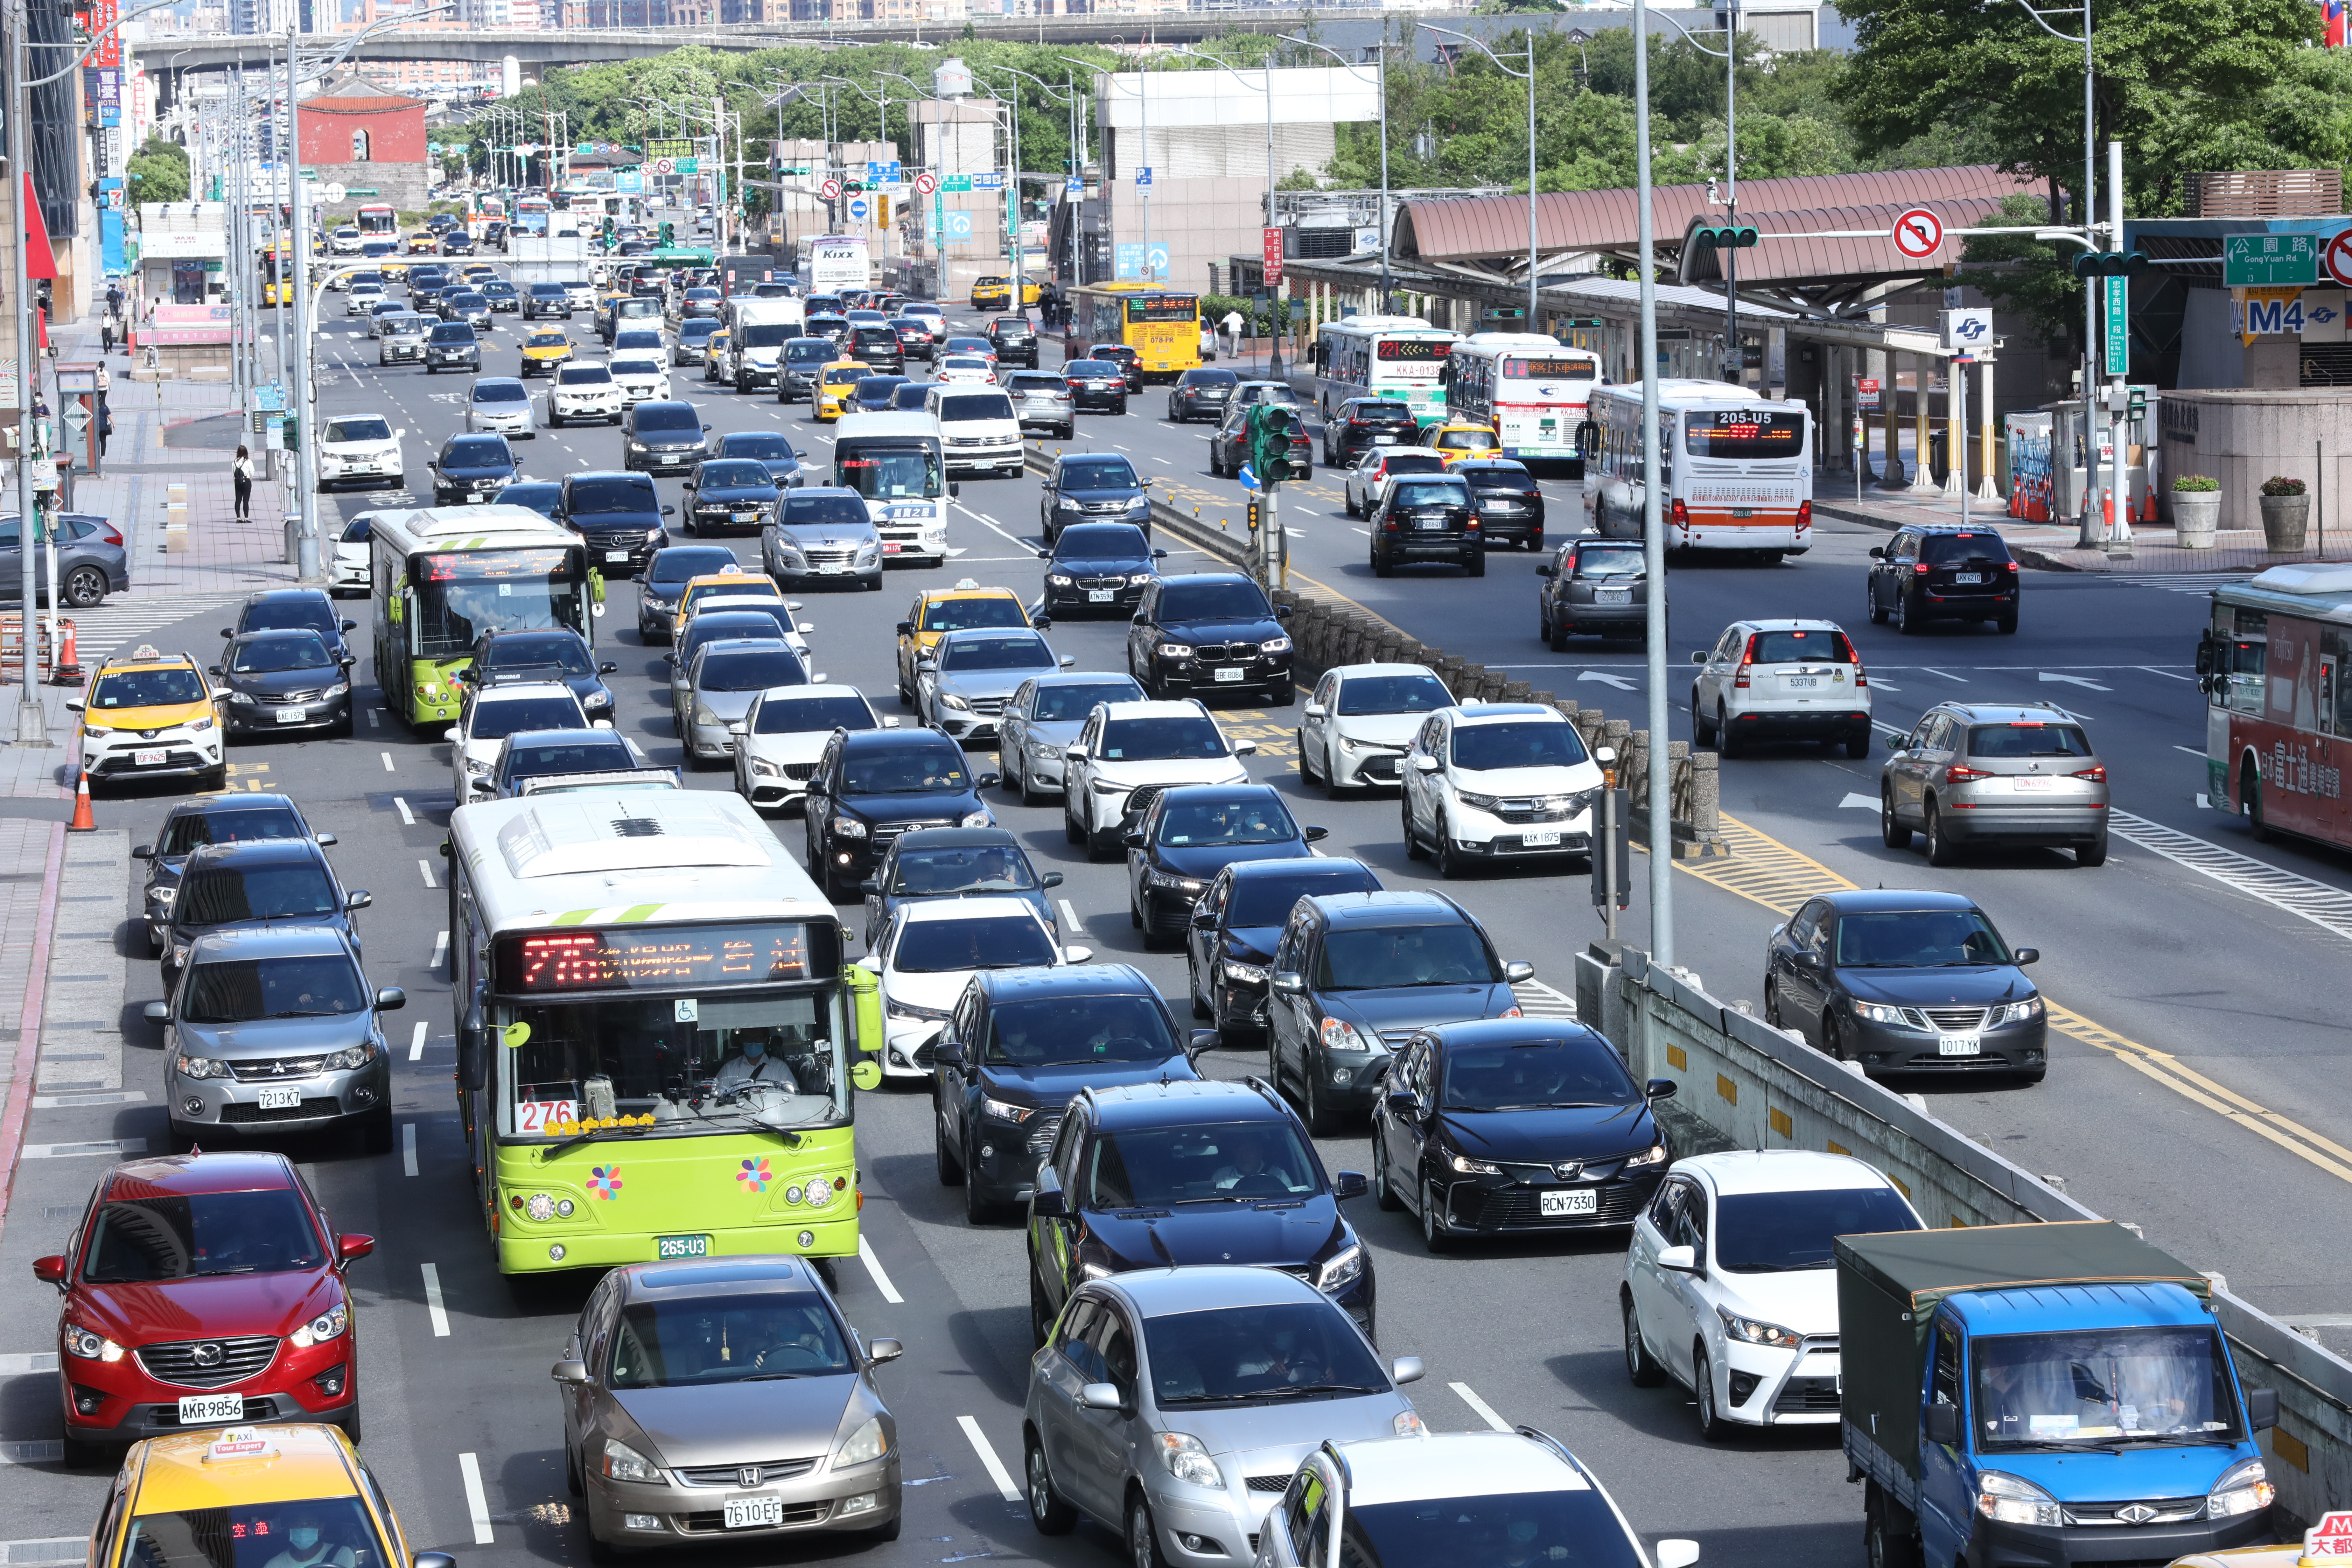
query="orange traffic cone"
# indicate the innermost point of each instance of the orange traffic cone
(83, 822)
(2148, 506)
(68, 670)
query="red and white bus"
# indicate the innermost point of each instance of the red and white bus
(2276, 664)
(1734, 467)
(378, 222)
(1529, 389)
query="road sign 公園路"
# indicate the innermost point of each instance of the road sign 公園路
(2270, 260)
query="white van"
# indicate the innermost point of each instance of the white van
(893, 460)
(977, 428)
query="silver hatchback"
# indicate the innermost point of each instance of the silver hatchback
(1173, 1404)
(1975, 773)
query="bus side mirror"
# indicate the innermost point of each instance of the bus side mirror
(472, 1059)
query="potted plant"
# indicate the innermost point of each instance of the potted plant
(2286, 513)
(2196, 510)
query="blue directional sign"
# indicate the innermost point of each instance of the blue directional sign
(882, 174)
(959, 225)
(1126, 261)
(1143, 177)
(1075, 185)
(993, 180)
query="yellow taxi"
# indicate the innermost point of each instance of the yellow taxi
(937, 611)
(714, 352)
(393, 270)
(829, 395)
(423, 242)
(544, 348)
(1454, 441)
(147, 714)
(1031, 292)
(730, 586)
(992, 294)
(249, 1496)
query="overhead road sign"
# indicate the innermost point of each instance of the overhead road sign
(1918, 234)
(2270, 260)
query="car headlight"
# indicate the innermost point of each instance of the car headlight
(1174, 650)
(1139, 503)
(1187, 1461)
(1060, 579)
(622, 1463)
(243, 699)
(327, 1325)
(2244, 1488)
(1470, 1167)
(164, 896)
(200, 725)
(848, 827)
(1876, 1013)
(203, 1066)
(909, 1010)
(2010, 1500)
(1275, 645)
(949, 699)
(1755, 1333)
(636, 445)
(1341, 1269)
(357, 1055)
(340, 688)
(762, 768)
(1472, 797)
(597, 699)
(2023, 1012)
(1171, 883)
(1005, 1111)
(1655, 1155)
(864, 1446)
(180, 955)
(474, 765)
(703, 715)
(1338, 1034)
(96, 729)
(980, 819)
(1245, 974)
(89, 1345)
(1138, 578)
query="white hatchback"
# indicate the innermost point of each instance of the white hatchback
(1503, 781)
(778, 742)
(498, 404)
(1770, 681)
(643, 378)
(1730, 1288)
(1360, 720)
(1126, 746)
(929, 951)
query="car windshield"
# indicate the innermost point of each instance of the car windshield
(477, 452)
(171, 1235)
(1267, 899)
(1189, 737)
(1610, 561)
(499, 392)
(299, 613)
(879, 389)
(1527, 1075)
(1777, 1233)
(584, 375)
(608, 754)
(1071, 1031)
(806, 510)
(495, 720)
(599, 498)
(667, 417)
(735, 475)
(1375, 958)
(768, 334)
(146, 689)
(994, 942)
(889, 473)
(676, 567)
(1554, 1528)
(768, 621)
(1251, 818)
(2028, 738)
(750, 670)
(543, 498)
(975, 406)
(565, 654)
(964, 615)
(812, 715)
(1102, 542)
(1816, 646)
(1536, 743)
(217, 895)
(1918, 938)
(1412, 493)
(912, 770)
(453, 332)
(1233, 1161)
(2100, 1388)
(1099, 474)
(240, 990)
(1246, 1355)
(636, 367)
(1213, 602)
(245, 825)
(757, 444)
(1071, 702)
(996, 653)
(267, 655)
(1954, 549)
(368, 429)
(1368, 694)
(727, 1338)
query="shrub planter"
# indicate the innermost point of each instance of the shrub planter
(2196, 515)
(2284, 520)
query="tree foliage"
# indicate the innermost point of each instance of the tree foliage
(157, 172)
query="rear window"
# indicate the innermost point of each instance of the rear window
(1952, 549)
(1786, 647)
(2028, 739)
(1379, 413)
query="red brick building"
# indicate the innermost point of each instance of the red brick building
(362, 135)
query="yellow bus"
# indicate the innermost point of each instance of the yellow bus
(1162, 325)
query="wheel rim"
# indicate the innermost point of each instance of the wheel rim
(1041, 1487)
(1429, 1213)
(1138, 1535)
(1934, 830)
(1632, 1340)
(1705, 1381)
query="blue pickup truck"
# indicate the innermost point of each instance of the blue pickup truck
(2041, 1396)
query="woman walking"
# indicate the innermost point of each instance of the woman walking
(241, 473)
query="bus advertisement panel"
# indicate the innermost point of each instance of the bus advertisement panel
(1527, 388)
(657, 1036)
(1735, 468)
(2274, 663)
(1398, 357)
(1162, 325)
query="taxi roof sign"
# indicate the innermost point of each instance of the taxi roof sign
(2330, 1541)
(240, 1443)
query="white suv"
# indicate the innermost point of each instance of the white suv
(361, 449)
(978, 430)
(1127, 745)
(1729, 1287)
(582, 391)
(1503, 780)
(1522, 1491)
(1781, 680)
(492, 713)
(642, 376)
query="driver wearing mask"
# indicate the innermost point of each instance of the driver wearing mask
(759, 1059)
(308, 1547)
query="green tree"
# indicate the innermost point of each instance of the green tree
(2025, 275)
(157, 172)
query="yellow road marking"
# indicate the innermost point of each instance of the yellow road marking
(1763, 870)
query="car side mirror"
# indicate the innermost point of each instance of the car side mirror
(1516, 971)
(1246, 748)
(1049, 1203)
(359, 899)
(608, 668)
(1316, 710)
(1132, 839)
(2026, 955)
(2261, 1408)
(391, 999)
(1201, 1040)
(739, 728)
(157, 1012)
(351, 1246)
(948, 1053)
(1399, 1100)
(706, 430)
(1289, 982)
(1878, 552)
(1678, 1259)
(1078, 955)
(987, 781)
(573, 1372)
(1349, 1184)
(1100, 1396)
(213, 669)
(143, 852)
(871, 887)
(1140, 618)
(50, 1271)
(1427, 764)
(1044, 555)
(1160, 555)
(1205, 920)
(884, 1349)
(906, 628)
(1073, 753)
(1698, 655)
(1660, 1089)
(669, 512)
(1407, 1368)
(226, 633)
(1050, 879)
(1940, 1425)
(1544, 570)
(1675, 1553)
(74, 705)
(1317, 834)
(954, 489)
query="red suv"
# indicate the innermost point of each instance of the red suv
(203, 1290)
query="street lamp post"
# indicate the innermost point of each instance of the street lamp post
(1069, 96)
(1530, 74)
(1653, 532)
(1383, 63)
(1734, 363)
(1143, 97)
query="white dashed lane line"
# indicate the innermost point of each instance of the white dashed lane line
(1485, 1412)
(994, 1466)
(417, 1045)
(407, 817)
(880, 1275)
(434, 1310)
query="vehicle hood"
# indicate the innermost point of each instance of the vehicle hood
(938, 992)
(1417, 1006)
(1050, 1087)
(1252, 944)
(1196, 632)
(795, 746)
(1107, 492)
(1172, 770)
(1239, 1233)
(719, 1423)
(277, 682)
(989, 683)
(1104, 566)
(915, 805)
(1518, 783)
(1203, 861)
(2148, 1472)
(1379, 729)
(1270, 1439)
(1803, 1299)
(1540, 1137)
(160, 1312)
(266, 1038)
(728, 705)
(1055, 733)
(477, 471)
(732, 494)
(1937, 987)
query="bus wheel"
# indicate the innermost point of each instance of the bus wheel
(2249, 801)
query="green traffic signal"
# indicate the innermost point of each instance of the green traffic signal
(1728, 236)
(1272, 428)
(2110, 264)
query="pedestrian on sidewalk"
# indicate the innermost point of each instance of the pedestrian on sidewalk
(241, 473)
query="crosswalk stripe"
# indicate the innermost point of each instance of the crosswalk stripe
(100, 633)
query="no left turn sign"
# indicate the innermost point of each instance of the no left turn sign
(925, 183)
(830, 189)
(1918, 234)
(2337, 259)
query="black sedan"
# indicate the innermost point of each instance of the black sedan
(1426, 517)
(1515, 1125)
(769, 449)
(1098, 566)
(1365, 422)
(473, 469)
(875, 394)
(1596, 587)
(724, 493)
(1229, 946)
(1129, 362)
(1510, 502)
(1210, 632)
(1200, 393)
(1188, 835)
(956, 863)
(284, 682)
(872, 784)
(1095, 384)
(457, 242)
(1906, 982)
(548, 653)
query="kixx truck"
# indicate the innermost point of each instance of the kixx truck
(2042, 1395)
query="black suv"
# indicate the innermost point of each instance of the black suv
(1943, 575)
(255, 885)
(1153, 1174)
(1187, 835)
(665, 436)
(1229, 945)
(1015, 342)
(872, 785)
(1210, 632)
(452, 345)
(1361, 423)
(619, 516)
(1093, 487)
(877, 345)
(1510, 502)
(797, 364)
(1426, 517)
(286, 609)
(1597, 587)
(209, 819)
(1016, 1048)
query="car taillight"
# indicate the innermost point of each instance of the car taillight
(1860, 679)
(1958, 775)
(2097, 775)
(1682, 519)
(1741, 678)
(1920, 567)
(2012, 566)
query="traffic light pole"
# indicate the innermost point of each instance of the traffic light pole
(2119, 492)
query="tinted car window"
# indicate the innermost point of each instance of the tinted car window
(185, 1236)
(1784, 647)
(1535, 744)
(1242, 819)
(566, 655)
(1209, 378)
(2028, 739)
(803, 715)
(591, 497)
(584, 375)
(1237, 1162)
(801, 510)
(1775, 1233)
(733, 473)
(475, 451)
(1267, 900)
(1213, 602)
(582, 756)
(1066, 1031)
(997, 653)
(218, 894)
(682, 1343)
(1946, 549)
(1098, 474)
(267, 656)
(665, 416)
(240, 990)
(963, 614)
(289, 615)
(1394, 694)
(932, 947)
(1101, 542)
(976, 406)
(196, 829)
(1523, 1074)
(1918, 939)
(1065, 702)
(1240, 1356)
(753, 670)
(1183, 737)
(495, 721)
(675, 566)
(1376, 957)
(1610, 561)
(758, 444)
(147, 688)
(1410, 492)
(453, 332)
(903, 770)
(367, 429)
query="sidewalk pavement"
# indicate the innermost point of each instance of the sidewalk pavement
(2052, 546)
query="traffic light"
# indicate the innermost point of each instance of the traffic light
(668, 235)
(1729, 236)
(1272, 428)
(2110, 264)
(610, 226)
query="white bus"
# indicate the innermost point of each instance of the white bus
(1736, 469)
(1400, 357)
(1527, 388)
(832, 262)
(657, 1032)
(898, 461)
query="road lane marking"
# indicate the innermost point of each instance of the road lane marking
(994, 1466)
(407, 817)
(1961, 679)
(2330, 909)
(408, 1148)
(1070, 915)
(374, 718)
(433, 1307)
(1486, 1411)
(2166, 673)
(440, 949)
(475, 1503)
(881, 1275)
(387, 760)
(425, 868)
(417, 1045)
(992, 525)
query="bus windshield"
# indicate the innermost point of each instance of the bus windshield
(889, 473)
(457, 598)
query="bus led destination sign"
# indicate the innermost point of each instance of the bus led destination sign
(654, 958)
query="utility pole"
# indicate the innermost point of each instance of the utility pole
(302, 394)
(32, 719)
(1653, 534)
